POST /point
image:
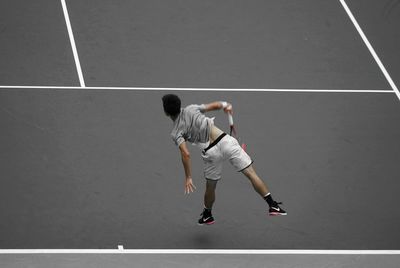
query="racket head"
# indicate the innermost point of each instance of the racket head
(233, 133)
(244, 146)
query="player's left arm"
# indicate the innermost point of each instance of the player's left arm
(218, 105)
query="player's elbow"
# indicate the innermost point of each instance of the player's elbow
(184, 151)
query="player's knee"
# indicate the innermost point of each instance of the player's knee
(211, 185)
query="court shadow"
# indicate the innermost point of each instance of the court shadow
(203, 240)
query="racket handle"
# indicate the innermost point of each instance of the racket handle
(230, 117)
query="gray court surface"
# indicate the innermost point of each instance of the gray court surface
(234, 44)
(380, 20)
(94, 169)
(91, 168)
(177, 261)
(34, 45)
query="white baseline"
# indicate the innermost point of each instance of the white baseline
(201, 251)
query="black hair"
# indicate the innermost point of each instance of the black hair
(171, 104)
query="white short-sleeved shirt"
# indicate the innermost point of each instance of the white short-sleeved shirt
(192, 125)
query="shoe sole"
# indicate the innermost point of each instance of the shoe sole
(206, 223)
(277, 214)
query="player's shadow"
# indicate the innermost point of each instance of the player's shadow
(203, 240)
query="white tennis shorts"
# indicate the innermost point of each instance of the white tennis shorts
(228, 148)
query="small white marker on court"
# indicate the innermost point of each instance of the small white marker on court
(120, 247)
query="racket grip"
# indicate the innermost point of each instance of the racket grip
(230, 118)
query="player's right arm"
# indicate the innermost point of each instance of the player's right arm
(187, 165)
(218, 105)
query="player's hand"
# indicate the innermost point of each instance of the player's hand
(189, 186)
(228, 109)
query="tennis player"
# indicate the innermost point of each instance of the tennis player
(191, 125)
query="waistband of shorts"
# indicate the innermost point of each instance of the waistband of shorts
(215, 142)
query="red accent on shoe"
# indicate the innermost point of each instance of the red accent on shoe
(277, 214)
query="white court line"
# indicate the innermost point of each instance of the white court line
(72, 40)
(371, 49)
(204, 89)
(200, 251)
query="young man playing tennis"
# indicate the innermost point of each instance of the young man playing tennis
(191, 125)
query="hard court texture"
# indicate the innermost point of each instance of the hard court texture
(178, 261)
(96, 168)
(93, 169)
(229, 44)
(34, 45)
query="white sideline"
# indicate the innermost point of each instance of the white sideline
(72, 40)
(370, 48)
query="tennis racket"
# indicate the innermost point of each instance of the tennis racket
(233, 132)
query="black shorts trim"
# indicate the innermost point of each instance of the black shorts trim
(246, 166)
(214, 142)
(207, 179)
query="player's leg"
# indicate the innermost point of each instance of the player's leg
(261, 188)
(212, 173)
(209, 199)
(243, 163)
(209, 195)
